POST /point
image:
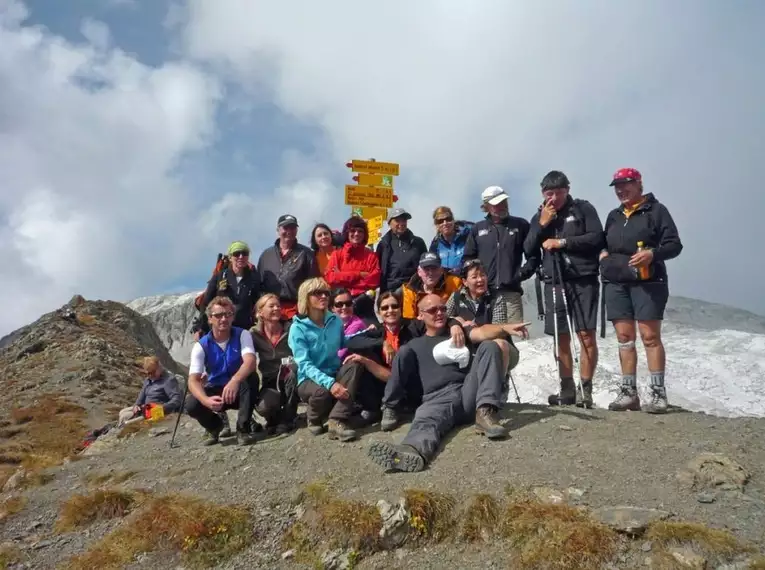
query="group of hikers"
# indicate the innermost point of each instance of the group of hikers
(363, 336)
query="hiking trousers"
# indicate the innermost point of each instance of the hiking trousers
(244, 403)
(456, 404)
(321, 402)
(278, 398)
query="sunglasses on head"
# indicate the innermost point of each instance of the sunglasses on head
(222, 315)
(319, 293)
(343, 304)
(244, 253)
(435, 310)
(444, 220)
(391, 307)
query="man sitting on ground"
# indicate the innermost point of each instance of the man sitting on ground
(453, 392)
(430, 278)
(227, 355)
(160, 388)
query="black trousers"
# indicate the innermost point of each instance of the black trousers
(244, 402)
(321, 402)
(278, 398)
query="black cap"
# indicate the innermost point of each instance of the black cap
(430, 260)
(286, 220)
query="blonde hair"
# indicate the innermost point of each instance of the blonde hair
(150, 364)
(259, 307)
(442, 210)
(306, 288)
(221, 301)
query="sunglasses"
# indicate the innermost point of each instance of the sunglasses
(444, 220)
(343, 304)
(435, 310)
(319, 293)
(222, 315)
(392, 307)
(240, 253)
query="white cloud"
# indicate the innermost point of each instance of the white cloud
(465, 94)
(89, 140)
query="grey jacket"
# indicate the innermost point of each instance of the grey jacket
(164, 390)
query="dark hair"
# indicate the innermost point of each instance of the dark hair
(555, 179)
(469, 265)
(387, 295)
(320, 225)
(355, 222)
(337, 292)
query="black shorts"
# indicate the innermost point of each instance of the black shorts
(582, 296)
(636, 301)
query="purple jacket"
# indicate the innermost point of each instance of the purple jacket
(355, 325)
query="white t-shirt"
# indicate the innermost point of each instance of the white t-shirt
(197, 364)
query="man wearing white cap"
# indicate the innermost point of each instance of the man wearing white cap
(498, 242)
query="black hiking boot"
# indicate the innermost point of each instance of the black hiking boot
(211, 437)
(316, 427)
(487, 423)
(566, 396)
(244, 438)
(389, 420)
(586, 401)
(226, 430)
(396, 457)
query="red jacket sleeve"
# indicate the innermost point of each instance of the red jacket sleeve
(334, 276)
(372, 266)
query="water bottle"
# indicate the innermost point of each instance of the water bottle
(644, 272)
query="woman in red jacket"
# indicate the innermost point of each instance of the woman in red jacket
(355, 267)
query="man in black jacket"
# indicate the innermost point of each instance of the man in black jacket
(498, 242)
(286, 265)
(399, 252)
(569, 234)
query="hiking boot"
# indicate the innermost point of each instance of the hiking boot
(487, 423)
(316, 427)
(627, 400)
(370, 417)
(243, 438)
(586, 401)
(389, 420)
(211, 438)
(340, 430)
(284, 428)
(658, 403)
(396, 457)
(566, 396)
(226, 429)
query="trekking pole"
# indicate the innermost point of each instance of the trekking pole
(510, 376)
(569, 321)
(554, 318)
(180, 413)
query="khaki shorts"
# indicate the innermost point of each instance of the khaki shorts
(513, 306)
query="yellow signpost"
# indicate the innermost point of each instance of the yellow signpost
(368, 196)
(369, 212)
(374, 180)
(375, 226)
(374, 167)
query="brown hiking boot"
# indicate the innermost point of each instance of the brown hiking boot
(487, 423)
(340, 430)
(628, 400)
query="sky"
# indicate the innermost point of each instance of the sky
(139, 137)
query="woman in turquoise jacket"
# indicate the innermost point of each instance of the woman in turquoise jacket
(451, 236)
(325, 383)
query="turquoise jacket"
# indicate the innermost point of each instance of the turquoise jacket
(315, 349)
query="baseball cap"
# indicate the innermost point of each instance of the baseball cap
(430, 260)
(399, 213)
(493, 195)
(286, 220)
(626, 175)
(238, 246)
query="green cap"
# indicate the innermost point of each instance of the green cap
(238, 246)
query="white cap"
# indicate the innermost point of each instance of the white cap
(446, 353)
(493, 195)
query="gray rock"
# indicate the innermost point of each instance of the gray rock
(15, 481)
(646, 546)
(395, 519)
(629, 520)
(687, 558)
(706, 497)
(549, 495)
(336, 560)
(157, 431)
(714, 471)
(288, 554)
(565, 428)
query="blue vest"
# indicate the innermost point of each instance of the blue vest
(222, 365)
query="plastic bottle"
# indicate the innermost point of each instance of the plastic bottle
(644, 272)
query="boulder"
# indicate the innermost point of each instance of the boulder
(629, 520)
(395, 523)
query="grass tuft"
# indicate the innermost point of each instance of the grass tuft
(431, 513)
(556, 536)
(480, 520)
(9, 555)
(205, 534)
(11, 506)
(81, 510)
(714, 543)
(302, 542)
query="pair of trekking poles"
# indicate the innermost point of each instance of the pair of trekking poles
(557, 281)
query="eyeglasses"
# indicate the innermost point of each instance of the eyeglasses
(391, 307)
(444, 220)
(435, 310)
(227, 314)
(356, 231)
(319, 293)
(343, 304)
(240, 254)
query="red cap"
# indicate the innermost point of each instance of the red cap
(626, 175)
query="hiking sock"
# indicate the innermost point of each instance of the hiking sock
(630, 381)
(657, 382)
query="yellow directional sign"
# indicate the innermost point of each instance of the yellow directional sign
(368, 213)
(375, 225)
(374, 167)
(374, 180)
(368, 196)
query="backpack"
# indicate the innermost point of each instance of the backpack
(220, 264)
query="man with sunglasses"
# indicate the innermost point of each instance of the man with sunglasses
(240, 282)
(226, 356)
(455, 391)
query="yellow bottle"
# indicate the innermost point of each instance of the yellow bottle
(644, 272)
